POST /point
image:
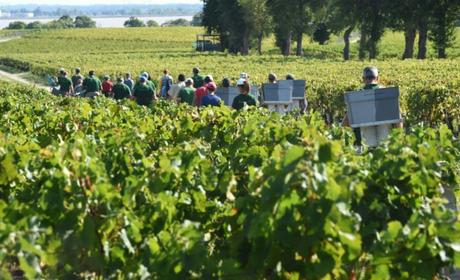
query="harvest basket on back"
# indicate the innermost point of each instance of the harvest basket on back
(373, 107)
(280, 93)
(227, 94)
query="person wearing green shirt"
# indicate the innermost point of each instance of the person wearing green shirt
(92, 85)
(186, 94)
(198, 80)
(148, 82)
(143, 93)
(120, 90)
(244, 98)
(65, 84)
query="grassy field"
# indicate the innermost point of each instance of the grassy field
(120, 50)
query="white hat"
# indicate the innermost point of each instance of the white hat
(244, 76)
(241, 82)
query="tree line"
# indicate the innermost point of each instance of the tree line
(243, 24)
(63, 22)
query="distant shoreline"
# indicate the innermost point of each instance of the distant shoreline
(98, 17)
(101, 22)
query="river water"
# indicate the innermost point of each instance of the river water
(103, 22)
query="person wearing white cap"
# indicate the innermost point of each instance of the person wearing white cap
(244, 98)
(244, 76)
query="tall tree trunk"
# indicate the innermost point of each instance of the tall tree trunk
(245, 46)
(260, 39)
(422, 39)
(376, 29)
(442, 53)
(346, 39)
(363, 45)
(287, 45)
(409, 36)
(372, 49)
(299, 51)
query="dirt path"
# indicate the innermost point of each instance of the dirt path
(6, 39)
(17, 78)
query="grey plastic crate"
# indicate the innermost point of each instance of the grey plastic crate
(280, 93)
(255, 92)
(228, 94)
(373, 107)
(299, 86)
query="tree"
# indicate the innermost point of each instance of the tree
(258, 20)
(321, 34)
(152, 23)
(16, 25)
(409, 16)
(283, 23)
(343, 17)
(134, 22)
(226, 17)
(34, 25)
(443, 23)
(177, 22)
(291, 20)
(84, 22)
(197, 20)
(66, 21)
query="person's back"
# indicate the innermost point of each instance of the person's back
(77, 76)
(107, 86)
(202, 91)
(198, 80)
(129, 83)
(121, 90)
(166, 84)
(176, 88)
(211, 100)
(199, 94)
(187, 94)
(65, 84)
(144, 93)
(92, 85)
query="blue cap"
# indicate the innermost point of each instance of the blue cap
(142, 78)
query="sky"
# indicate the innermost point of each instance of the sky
(95, 2)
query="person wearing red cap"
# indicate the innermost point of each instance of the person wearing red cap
(211, 99)
(201, 92)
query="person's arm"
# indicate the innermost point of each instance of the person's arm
(155, 98)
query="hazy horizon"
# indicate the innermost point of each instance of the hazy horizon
(95, 2)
